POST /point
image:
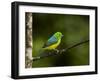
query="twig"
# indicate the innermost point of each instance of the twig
(53, 53)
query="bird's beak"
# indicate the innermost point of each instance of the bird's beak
(62, 35)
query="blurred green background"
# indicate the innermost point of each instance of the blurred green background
(75, 29)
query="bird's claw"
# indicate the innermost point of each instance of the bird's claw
(57, 51)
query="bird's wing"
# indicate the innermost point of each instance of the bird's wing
(50, 41)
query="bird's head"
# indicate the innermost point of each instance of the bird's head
(58, 35)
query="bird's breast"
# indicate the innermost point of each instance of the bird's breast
(54, 45)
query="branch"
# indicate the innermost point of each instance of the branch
(53, 53)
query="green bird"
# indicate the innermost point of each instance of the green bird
(53, 42)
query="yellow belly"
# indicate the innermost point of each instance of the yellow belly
(54, 46)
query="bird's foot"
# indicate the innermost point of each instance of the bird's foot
(57, 50)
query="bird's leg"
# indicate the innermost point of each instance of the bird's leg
(56, 50)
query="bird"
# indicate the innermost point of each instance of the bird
(53, 42)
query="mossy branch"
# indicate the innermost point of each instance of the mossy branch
(54, 52)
